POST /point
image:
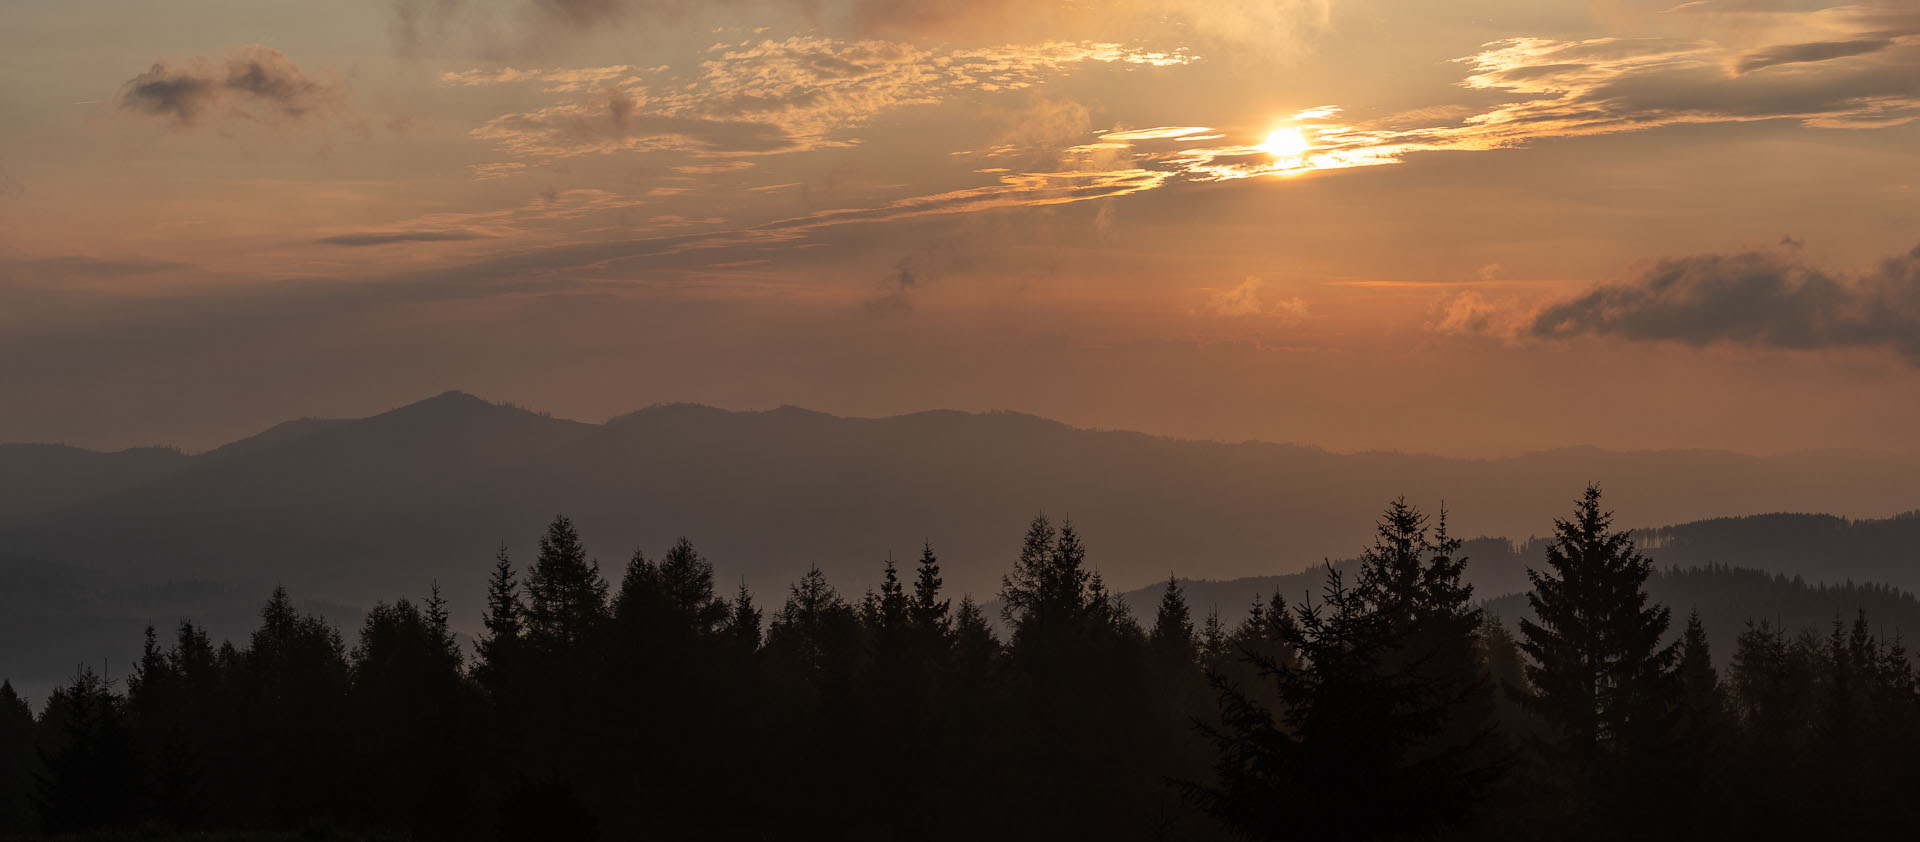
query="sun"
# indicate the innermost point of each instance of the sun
(1285, 143)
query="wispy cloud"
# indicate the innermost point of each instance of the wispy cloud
(770, 96)
(807, 93)
(1810, 52)
(381, 238)
(524, 220)
(554, 80)
(1555, 89)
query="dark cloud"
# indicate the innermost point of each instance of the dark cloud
(251, 82)
(381, 238)
(1759, 299)
(896, 290)
(1816, 51)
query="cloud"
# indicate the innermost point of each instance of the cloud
(767, 97)
(1263, 30)
(497, 169)
(1275, 29)
(1553, 89)
(1757, 299)
(615, 120)
(554, 80)
(813, 92)
(714, 168)
(252, 82)
(1812, 52)
(1247, 299)
(531, 221)
(896, 290)
(1470, 313)
(381, 238)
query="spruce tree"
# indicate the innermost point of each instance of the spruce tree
(1501, 656)
(1383, 701)
(293, 684)
(816, 635)
(411, 709)
(1172, 637)
(929, 612)
(1046, 586)
(1703, 704)
(975, 649)
(1602, 682)
(889, 613)
(167, 699)
(499, 663)
(88, 780)
(742, 629)
(16, 741)
(686, 579)
(566, 595)
(1213, 639)
(506, 612)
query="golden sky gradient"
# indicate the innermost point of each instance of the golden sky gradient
(1469, 228)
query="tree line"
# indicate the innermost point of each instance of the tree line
(1387, 706)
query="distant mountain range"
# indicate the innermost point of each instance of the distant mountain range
(347, 512)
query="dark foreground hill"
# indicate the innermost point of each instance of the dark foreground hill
(347, 512)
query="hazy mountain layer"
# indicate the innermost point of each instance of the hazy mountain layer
(354, 511)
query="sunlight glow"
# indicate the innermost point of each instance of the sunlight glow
(1286, 143)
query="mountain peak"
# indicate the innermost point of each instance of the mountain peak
(450, 404)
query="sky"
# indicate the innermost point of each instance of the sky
(1469, 228)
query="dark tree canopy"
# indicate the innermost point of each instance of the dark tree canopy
(1386, 706)
(1379, 697)
(1602, 680)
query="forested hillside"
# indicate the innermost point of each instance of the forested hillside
(646, 699)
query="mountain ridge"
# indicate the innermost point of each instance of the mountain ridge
(348, 512)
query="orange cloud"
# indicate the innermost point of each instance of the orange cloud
(769, 96)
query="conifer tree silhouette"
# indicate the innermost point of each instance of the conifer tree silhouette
(566, 595)
(16, 744)
(504, 624)
(413, 710)
(293, 682)
(930, 612)
(976, 651)
(1213, 639)
(88, 777)
(1385, 703)
(743, 623)
(1367, 711)
(1172, 637)
(1602, 682)
(1703, 704)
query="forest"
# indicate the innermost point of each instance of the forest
(1389, 704)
